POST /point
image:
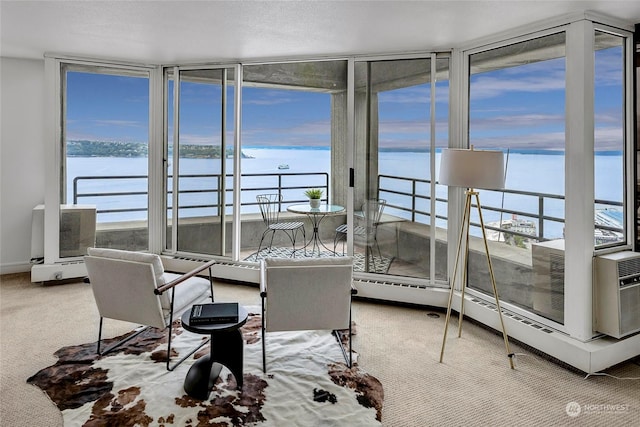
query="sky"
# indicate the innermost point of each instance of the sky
(519, 107)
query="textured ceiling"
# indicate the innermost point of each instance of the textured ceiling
(195, 31)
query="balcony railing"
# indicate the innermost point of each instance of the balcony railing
(404, 196)
(390, 185)
(277, 180)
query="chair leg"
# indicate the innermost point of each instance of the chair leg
(119, 343)
(304, 240)
(348, 360)
(131, 336)
(264, 359)
(268, 230)
(338, 336)
(99, 335)
(373, 256)
(185, 357)
(170, 332)
(350, 342)
(273, 234)
(294, 233)
(260, 244)
(339, 237)
(211, 285)
(350, 346)
(378, 247)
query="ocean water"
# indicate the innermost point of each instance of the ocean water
(539, 173)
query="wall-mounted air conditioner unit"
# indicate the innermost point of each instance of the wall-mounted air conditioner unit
(77, 233)
(77, 230)
(617, 293)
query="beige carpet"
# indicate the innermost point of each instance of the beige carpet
(400, 346)
(307, 380)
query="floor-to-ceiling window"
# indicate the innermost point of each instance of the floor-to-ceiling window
(105, 161)
(401, 118)
(609, 140)
(517, 105)
(199, 160)
(293, 139)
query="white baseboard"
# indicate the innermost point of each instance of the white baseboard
(15, 267)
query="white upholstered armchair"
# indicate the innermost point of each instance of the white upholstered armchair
(133, 287)
(306, 294)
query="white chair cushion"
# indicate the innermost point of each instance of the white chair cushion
(307, 293)
(153, 259)
(187, 293)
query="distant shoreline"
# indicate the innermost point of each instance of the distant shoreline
(86, 148)
(535, 151)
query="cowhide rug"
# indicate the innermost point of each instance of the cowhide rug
(307, 383)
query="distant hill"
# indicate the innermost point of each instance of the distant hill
(84, 148)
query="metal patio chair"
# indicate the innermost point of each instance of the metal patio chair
(270, 210)
(371, 214)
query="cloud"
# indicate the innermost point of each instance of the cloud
(502, 122)
(311, 133)
(414, 95)
(404, 126)
(548, 140)
(195, 139)
(609, 69)
(120, 123)
(484, 87)
(268, 97)
(608, 138)
(609, 117)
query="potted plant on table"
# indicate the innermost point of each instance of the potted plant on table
(314, 195)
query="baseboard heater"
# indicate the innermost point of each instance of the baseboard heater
(56, 272)
(226, 270)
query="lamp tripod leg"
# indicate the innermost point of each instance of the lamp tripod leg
(493, 283)
(465, 226)
(465, 219)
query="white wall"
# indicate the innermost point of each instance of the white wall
(22, 158)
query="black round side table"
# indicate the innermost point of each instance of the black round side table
(226, 349)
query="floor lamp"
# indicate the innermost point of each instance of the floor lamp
(472, 169)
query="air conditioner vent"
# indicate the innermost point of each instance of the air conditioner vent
(629, 267)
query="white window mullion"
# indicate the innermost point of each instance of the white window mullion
(579, 183)
(351, 146)
(175, 186)
(53, 99)
(432, 176)
(458, 138)
(156, 187)
(237, 162)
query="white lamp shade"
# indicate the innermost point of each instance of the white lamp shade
(472, 169)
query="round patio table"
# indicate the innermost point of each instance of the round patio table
(316, 215)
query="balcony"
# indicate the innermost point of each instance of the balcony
(403, 233)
